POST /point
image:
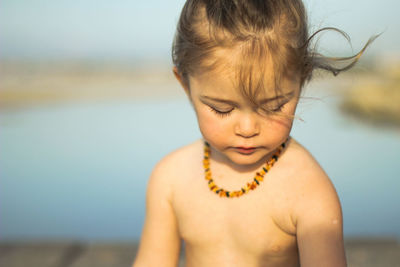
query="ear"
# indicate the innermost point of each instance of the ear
(181, 80)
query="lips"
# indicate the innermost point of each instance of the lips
(245, 150)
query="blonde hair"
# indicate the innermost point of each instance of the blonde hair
(255, 32)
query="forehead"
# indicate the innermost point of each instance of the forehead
(232, 75)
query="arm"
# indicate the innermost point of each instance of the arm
(160, 242)
(319, 225)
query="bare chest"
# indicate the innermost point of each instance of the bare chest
(254, 225)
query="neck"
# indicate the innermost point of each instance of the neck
(225, 163)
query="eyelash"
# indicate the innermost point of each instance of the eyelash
(272, 111)
(227, 113)
(278, 108)
(221, 113)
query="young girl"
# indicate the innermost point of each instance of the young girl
(247, 194)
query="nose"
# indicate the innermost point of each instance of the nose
(247, 126)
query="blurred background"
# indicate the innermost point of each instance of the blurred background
(88, 105)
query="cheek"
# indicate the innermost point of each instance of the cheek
(279, 127)
(291, 107)
(207, 122)
(211, 126)
(285, 122)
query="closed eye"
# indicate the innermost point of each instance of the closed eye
(271, 110)
(277, 109)
(221, 113)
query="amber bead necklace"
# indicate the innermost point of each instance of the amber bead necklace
(259, 177)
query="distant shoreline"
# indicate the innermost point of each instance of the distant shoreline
(35, 84)
(24, 84)
(373, 97)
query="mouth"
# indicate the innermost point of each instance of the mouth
(245, 150)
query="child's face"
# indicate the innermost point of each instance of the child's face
(237, 131)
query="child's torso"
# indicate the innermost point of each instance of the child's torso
(253, 230)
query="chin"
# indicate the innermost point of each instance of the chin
(247, 160)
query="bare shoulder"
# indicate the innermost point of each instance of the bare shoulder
(172, 166)
(311, 188)
(180, 157)
(160, 235)
(308, 173)
(316, 211)
(304, 169)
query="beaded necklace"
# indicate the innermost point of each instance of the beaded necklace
(259, 177)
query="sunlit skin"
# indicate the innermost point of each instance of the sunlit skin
(292, 219)
(232, 125)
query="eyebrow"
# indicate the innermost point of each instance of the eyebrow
(233, 103)
(220, 100)
(278, 97)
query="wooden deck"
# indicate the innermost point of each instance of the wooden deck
(360, 253)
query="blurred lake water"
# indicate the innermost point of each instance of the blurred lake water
(79, 171)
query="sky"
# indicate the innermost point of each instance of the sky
(132, 29)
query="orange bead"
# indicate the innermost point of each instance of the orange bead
(249, 186)
(253, 185)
